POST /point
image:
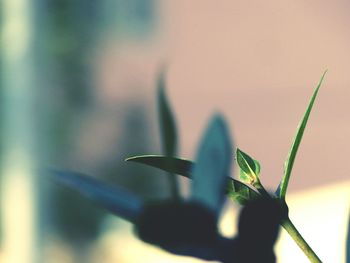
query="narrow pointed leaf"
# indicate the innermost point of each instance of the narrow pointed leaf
(288, 166)
(184, 167)
(117, 201)
(167, 130)
(169, 164)
(166, 120)
(249, 168)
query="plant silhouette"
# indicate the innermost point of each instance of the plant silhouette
(249, 185)
(189, 227)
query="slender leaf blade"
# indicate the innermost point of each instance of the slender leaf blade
(169, 164)
(117, 201)
(167, 122)
(288, 166)
(184, 167)
(168, 130)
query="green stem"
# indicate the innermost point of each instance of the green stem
(294, 233)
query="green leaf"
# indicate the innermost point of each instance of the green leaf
(244, 177)
(166, 120)
(116, 200)
(236, 190)
(240, 192)
(169, 164)
(257, 168)
(167, 130)
(288, 165)
(249, 168)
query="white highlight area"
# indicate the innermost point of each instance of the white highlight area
(18, 216)
(321, 216)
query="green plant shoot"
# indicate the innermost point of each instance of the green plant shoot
(168, 131)
(236, 190)
(288, 166)
(249, 186)
(249, 168)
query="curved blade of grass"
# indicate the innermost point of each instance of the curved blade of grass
(288, 166)
(166, 120)
(184, 167)
(169, 164)
(167, 130)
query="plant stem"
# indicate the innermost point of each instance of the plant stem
(294, 233)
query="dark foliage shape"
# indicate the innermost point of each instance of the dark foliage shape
(189, 228)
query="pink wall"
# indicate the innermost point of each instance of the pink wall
(257, 62)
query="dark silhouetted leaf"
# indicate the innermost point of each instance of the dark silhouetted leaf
(213, 165)
(288, 165)
(169, 164)
(166, 120)
(117, 201)
(167, 130)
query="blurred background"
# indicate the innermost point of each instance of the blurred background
(78, 93)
